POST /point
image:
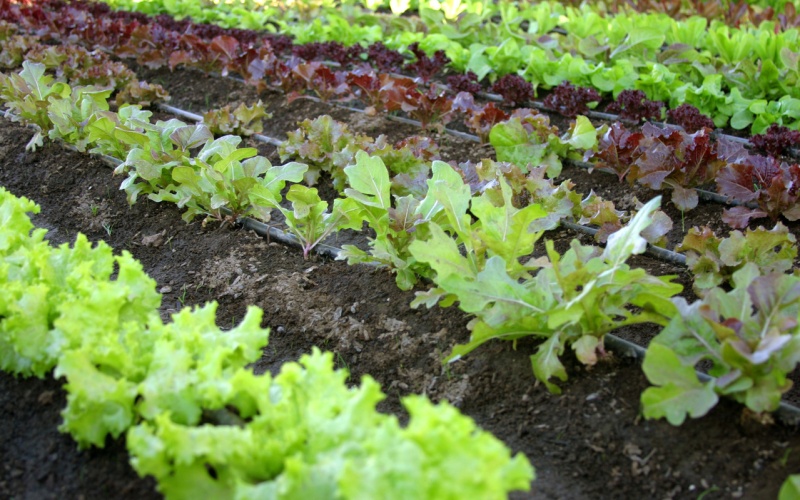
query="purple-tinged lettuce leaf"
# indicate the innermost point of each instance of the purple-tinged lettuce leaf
(679, 160)
(617, 150)
(325, 145)
(713, 260)
(749, 334)
(243, 120)
(773, 185)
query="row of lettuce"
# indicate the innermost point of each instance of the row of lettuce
(511, 14)
(194, 416)
(569, 300)
(740, 77)
(80, 19)
(657, 158)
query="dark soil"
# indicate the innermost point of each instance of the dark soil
(589, 442)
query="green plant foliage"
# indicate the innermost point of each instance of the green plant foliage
(115, 134)
(310, 220)
(680, 392)
(325, 145)
(713, 260)
(27, 95)
(308, 435)
(225, 177)
(743, 76)
(574, 299)
(791, 488)
(748, 334)
(42, 315)
(243, 120)
(159, 149)
(305, 433)
(70, 115)
(528, 141)
(395, 226)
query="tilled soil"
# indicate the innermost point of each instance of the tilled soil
(589, 442)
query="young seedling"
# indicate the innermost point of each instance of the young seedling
(182, 297)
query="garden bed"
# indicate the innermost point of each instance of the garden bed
(588, 442)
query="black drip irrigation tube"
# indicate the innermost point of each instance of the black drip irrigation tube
(652, 250)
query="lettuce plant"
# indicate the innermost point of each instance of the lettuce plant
(115, 134)
(467, 82)
(302, 432)
(773, 185)
(396, 224)
(678, 160)
(27, 95)
(318, 78)
(308, 433)
(634, 105)
(141, 93)
(514, 89)
(243, 121)
(225, 177)
(528, 140)
(310, 220)
(714, 260)
(777, 140)
(573, 300)
(328, 51)
(748, 335)
(617, 150)
(369, 87)
(384, 58)
(480, 119)
(571, 101)
(325, 145)
(157, 149)
(426, 67)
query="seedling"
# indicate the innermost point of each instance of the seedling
(108, 227)
(702, 495)
(341, 361)
(785, 458)
(447, 372)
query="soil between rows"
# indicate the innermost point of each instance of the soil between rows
(589, 442)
